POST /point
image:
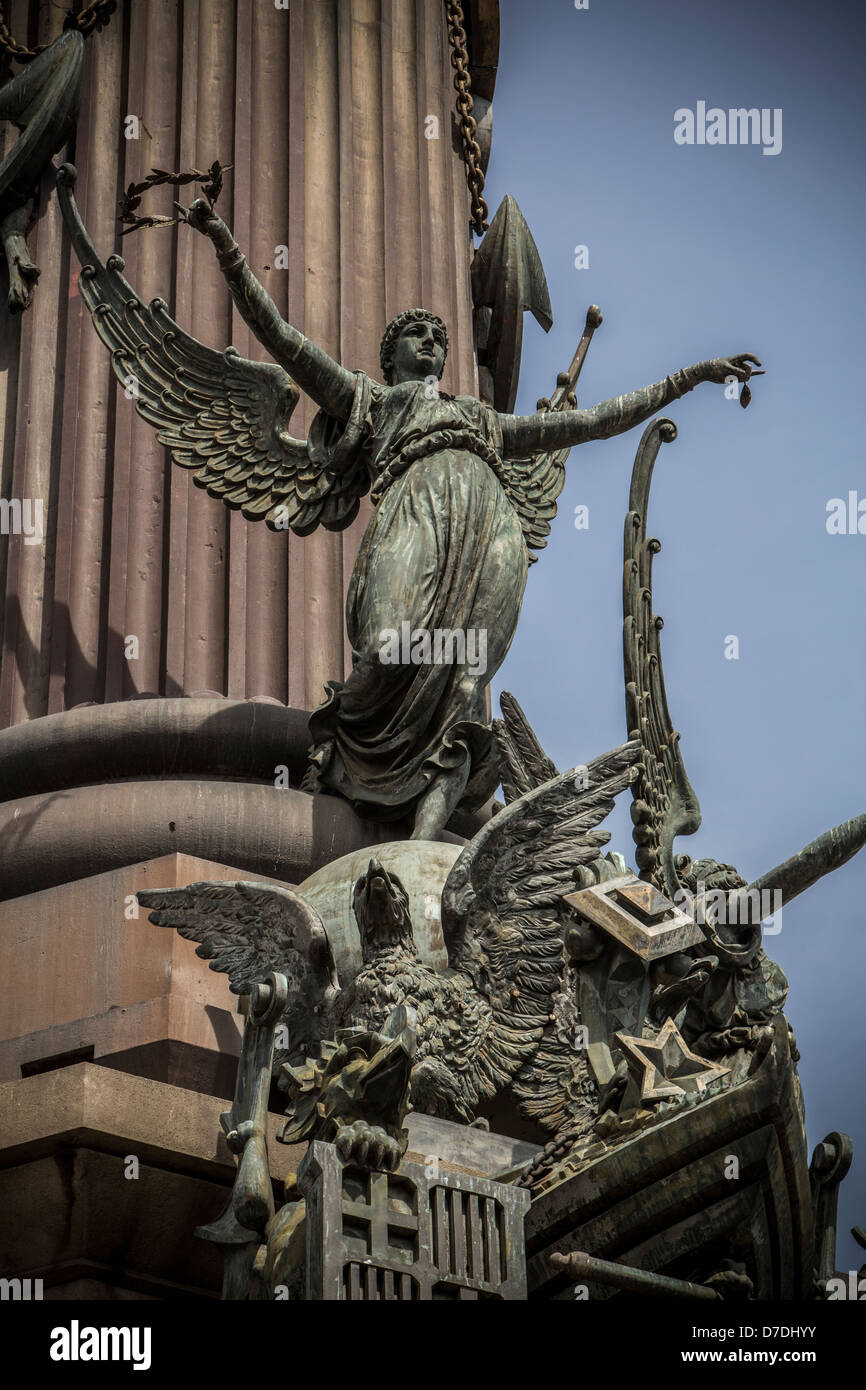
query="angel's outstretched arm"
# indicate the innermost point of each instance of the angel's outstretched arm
(331, 386)
(560, 429)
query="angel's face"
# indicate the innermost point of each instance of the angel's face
(418, 353)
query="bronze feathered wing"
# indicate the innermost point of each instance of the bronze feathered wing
(247, 931)
(502, 917)
(222, 416)
(664, 804)
(523, 763)
(533, 486)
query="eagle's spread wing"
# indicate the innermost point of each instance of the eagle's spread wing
(523, 763)
(222, 416)
(501, 914)
(248, 930)
(664, 803)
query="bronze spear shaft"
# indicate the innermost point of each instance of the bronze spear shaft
(830, 851)
(579, 1265)
(566, 381)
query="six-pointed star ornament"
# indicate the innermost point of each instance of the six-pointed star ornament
(664, 1067)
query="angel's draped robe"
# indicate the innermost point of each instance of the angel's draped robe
(444, 550)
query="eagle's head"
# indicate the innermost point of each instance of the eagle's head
(381, 906)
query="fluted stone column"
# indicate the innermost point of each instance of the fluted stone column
(321, 110)
(349, 214)
(119, 773)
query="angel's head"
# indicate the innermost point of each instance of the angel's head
(414, 347)
(381, 907)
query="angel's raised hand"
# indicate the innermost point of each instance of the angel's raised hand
(199, 216)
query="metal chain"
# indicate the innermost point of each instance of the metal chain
(97, 14)
(468, 125)
(93, 16)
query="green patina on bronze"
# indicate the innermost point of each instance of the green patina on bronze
(463, 495)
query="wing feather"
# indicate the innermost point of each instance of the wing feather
(523, 762)
(501, 916)
(222, 416)
(532, 486)
(248, 930)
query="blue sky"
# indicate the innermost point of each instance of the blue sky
(696, 252)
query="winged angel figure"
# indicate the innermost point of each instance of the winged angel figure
(463, 496)
(500, 1024)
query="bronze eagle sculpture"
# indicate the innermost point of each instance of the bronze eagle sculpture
(501, 1016)
(505, 1016)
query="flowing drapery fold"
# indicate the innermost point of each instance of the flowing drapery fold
(443, 554)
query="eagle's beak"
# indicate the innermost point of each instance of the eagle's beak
(378, 872)
(384, 1081)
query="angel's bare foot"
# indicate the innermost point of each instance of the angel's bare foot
(23, 272)
(439, 802)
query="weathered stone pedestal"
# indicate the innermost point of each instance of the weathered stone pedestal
(104, 1176)
(91, 980)
(118, 1050)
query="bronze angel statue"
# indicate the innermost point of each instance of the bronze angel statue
(463, 495)
(529, 971)
(568, 1024)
